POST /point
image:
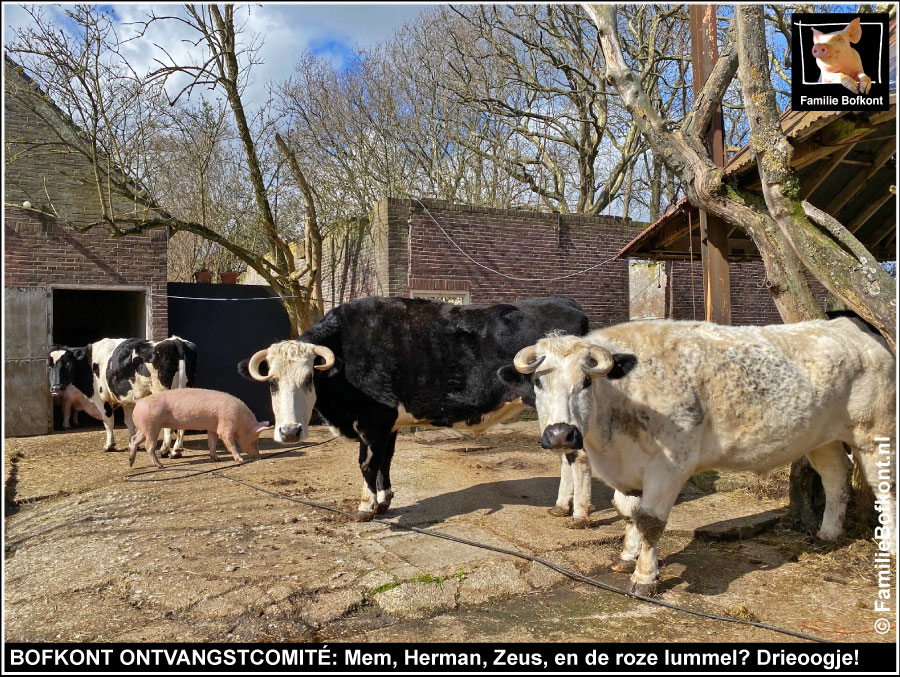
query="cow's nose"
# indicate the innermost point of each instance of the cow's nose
(561, 435)
(290, 432)
(54, 389)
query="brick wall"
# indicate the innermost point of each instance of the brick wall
(400, 248)
(751, 301)
(517, 243)
(42, 251)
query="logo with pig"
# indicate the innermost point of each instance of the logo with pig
(841, 62)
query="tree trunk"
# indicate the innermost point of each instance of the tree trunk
(656, 189)
(777, 223)
(851, 276)
(836, 258)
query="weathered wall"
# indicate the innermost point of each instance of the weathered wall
(41, 251)
(647, 287)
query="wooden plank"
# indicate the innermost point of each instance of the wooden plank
(716, 278)
(853, 186)
(815, 180)
(881, 233)
(868, 211)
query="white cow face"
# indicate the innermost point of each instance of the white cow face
(562, 371)
(288, 368)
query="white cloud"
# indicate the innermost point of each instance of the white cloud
(286, 30)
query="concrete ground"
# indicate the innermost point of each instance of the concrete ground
(93, 557)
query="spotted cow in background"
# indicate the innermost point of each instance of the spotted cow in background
(115, 373)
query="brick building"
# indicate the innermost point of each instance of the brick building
(409, 248)
(401, 250)
(62, 286)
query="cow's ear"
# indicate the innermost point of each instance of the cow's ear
(243, 370)
(336, 368)
(79, 353)
(520, 384)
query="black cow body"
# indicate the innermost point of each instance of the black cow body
(115, 373)
(400, 362)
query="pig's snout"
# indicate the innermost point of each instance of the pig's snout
(820, 51)
(289, 432)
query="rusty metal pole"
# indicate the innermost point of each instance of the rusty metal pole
(713, 231)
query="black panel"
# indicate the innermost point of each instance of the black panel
(82, 316)
(227, 332)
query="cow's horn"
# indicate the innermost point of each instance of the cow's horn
(603, 362)
(253, 367)
(526, 360)
(327, 355)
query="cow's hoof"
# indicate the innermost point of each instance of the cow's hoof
(382, 508)
(175, 454)
(559, 511)
(829, 536)
(578, 523)
(112, 448)
(623, 566)
(361, 516)
(643, 589)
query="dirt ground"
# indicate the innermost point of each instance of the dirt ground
(91, 556)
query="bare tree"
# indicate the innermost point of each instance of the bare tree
(779, 226)
(118, 114)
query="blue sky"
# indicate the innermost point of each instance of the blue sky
(329, 30)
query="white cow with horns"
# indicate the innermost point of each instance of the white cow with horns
(654, 402)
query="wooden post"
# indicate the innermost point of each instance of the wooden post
(716, 280)
(713, 232)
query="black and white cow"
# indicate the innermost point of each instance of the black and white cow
(653, 402)
(115, 373)
(374, 365)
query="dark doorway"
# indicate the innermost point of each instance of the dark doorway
(82, 316)
(228, 323)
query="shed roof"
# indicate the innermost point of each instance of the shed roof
(829, 165)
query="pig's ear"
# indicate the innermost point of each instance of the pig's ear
(817, 35)
(260, 427)
(853, 30)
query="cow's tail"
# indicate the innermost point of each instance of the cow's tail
(186, 363)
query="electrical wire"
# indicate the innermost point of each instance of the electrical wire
(575, 575)
(497, 272)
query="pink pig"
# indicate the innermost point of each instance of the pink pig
(220, 414)
(838, 61)
(72, 400)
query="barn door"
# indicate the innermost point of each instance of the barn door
(26, 389)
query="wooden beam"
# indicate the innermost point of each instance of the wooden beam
(815, 180)
(889, 227)
(858, 181)
(868, 211)
(713, 232)
(809, 152)
(716, 278)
